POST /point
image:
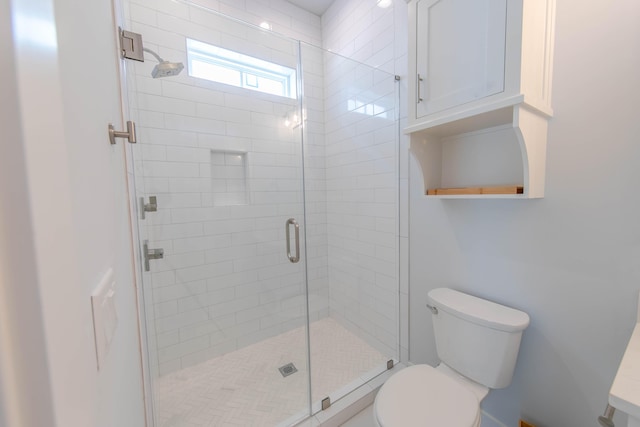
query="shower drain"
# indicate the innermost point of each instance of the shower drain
(287, 369)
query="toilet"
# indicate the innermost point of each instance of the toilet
(477, 343)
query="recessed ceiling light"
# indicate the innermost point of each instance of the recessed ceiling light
(267, 26)
(384, 3)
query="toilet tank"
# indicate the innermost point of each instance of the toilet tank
(478, 338)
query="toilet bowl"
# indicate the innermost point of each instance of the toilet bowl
(423, 396)
(477, 342)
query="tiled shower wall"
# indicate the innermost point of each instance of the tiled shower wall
(225, 281)
(375, 36)
(362, 200)
(362, 178)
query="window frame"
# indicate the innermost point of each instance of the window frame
(245, 65)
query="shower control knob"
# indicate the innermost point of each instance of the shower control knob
(150, 254)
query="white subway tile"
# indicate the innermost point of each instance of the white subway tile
(257, 312)
(203, 301)
(209, 353)
(155, 37)
(170, 169)
(168, 339)
(165, 6)
(194, 124)
(179, 290)
(171, 137)
(236, 280)
(195, 330)
(163, 104)
(174, 231)
(164, 309)
(257, 262)
(191, 93)
(150, 119)
(168, 367)
(176, 261)
(163, 278)
(183, 348)
(144, 15)
(247, 102)
(234, 306)
(154, 185)
(201, 243)
(226, 114)
(171, 323)
(204, 271)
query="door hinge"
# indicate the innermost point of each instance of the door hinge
(152, 206)
(326, 403)
(131, 45)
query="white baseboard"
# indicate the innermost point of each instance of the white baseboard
(492, 421)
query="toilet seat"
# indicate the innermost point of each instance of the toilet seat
(421, 396)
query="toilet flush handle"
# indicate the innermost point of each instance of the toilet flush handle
(433, 309)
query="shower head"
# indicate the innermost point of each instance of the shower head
(167, 69)
(164, 68)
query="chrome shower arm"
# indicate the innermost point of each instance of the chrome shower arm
(153, 53)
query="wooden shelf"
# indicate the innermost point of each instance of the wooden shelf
(464, 191)
(482, 158)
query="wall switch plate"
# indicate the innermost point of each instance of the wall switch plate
(105, 316)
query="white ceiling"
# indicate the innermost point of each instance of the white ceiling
(318, 7)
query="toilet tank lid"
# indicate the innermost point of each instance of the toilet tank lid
(478, 310)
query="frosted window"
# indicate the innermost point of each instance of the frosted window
(225, 66)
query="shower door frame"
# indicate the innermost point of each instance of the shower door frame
(135, 215)
(147, 374)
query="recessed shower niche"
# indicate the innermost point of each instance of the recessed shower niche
(229, 178)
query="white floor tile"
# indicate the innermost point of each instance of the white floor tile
(245, 388)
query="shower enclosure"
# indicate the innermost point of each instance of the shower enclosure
(266, 193)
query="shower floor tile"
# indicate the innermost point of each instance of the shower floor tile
(245, 387)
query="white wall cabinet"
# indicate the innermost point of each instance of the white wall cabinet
(480, 94)
(460, 52)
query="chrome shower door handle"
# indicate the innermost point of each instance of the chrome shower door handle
(287, 226)
(130, 133)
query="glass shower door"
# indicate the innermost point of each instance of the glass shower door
(219, 185)
(351, 188)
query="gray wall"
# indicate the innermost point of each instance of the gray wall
(572, 259)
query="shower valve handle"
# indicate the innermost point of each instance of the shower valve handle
(150, 254)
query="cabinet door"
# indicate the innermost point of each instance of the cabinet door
(460, 52)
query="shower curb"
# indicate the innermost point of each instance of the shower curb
(347, 407)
